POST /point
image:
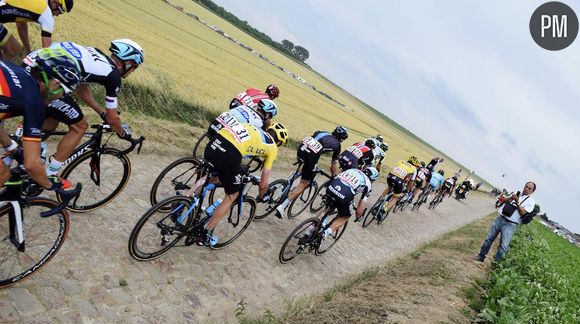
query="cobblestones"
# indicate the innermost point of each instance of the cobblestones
(194, 284)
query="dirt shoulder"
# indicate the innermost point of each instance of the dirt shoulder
(436, 283)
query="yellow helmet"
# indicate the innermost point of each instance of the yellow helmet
(414, 161)
(66, 5)
(279, 133)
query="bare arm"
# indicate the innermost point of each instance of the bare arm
(360, 208)
(86, 94)
(33, 163)
(5, 140)
(46, 41)
(263, 186)
(333, 168)
(22, 28)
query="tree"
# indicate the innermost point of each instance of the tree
(287, 45)
(300, 53)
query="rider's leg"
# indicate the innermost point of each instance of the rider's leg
(337, 223)
(11, 48)
(4, 173)
(221, 210)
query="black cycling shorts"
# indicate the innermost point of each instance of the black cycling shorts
(342, 195)
(347, 160)
(65, 110)
(396, 183)
(418, 183)
(33, 116)
(310, 160)
(226, 160)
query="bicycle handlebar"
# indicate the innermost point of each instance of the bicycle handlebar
(134, 143)
(317, 170)
(67, 196)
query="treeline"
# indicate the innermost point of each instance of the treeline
(286, 47)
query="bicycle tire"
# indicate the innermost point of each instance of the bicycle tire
(319, 250)
(187, 172)
(90, 187)
(234, 221)
(317, 204)
(306, 198)
(200, 145)
(371, 214)
(177, 205)
(302, 242)
(276, 188)
(382, 216)
(61, 219)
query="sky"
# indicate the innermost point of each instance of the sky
(466, 76)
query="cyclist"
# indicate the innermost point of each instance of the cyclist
(420, 179)
(404, 172)
(309, 151)
(379, 151)
(24, 11)
(98, 68)
(432, 165)
(357, 156)
(260, 117)
(251, 97)
(436, 182)
(225, 152)
(54, 73)
(343, 188)
(449, 185)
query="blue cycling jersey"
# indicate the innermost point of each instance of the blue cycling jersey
(436, 180)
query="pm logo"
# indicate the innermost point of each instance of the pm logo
(554, 26)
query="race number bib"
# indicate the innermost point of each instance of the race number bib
(311, 144)
(350, 179)
(234, 127)
(245, 99)
(399, 172)
(355, 151)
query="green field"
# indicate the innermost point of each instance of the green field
(191, 73)
(538, 282)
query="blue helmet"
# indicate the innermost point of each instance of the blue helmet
(126, 49)
(267, 106)
(372, 173)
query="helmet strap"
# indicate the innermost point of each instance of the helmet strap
(46, 81)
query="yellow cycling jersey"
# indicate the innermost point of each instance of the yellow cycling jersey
(26, 11)
(251, 141)
(404, 169)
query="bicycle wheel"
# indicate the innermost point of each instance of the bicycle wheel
(372, 213)
(103, 175)
(177, 177)
(277, 190)
(297, 242)
(200, 145)
(317, 203)
(160, 228)
(43, 238)
(228, 230)
(298, 205)
(330, 240)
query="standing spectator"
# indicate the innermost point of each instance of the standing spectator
(510, 215)
(478, 185)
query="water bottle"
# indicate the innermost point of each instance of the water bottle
(43, 152)
(209, 210)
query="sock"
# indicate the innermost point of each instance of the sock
(53, 167)
(286, 203)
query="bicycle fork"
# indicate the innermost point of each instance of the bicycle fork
(16, 226)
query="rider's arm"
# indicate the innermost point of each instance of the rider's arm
(362, 202)
(5, 140)
(333, 168)
(86, 94)
(22, 28)
(33, 163)
(263, 186)
(46, 41)
(112, 87)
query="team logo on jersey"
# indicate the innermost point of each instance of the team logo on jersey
(72, 50)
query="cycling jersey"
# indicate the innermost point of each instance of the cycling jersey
(250, 141)
(378, 153)
(436, 180)
(26, 11)
(345, 186)
(250, 97)
(433, 164)
(242, 114)
(312, 147)
(404, 171)
(96, 67)
(20, 96)
(356, 156)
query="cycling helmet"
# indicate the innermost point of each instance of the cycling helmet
(372, 173)
(126, 50)
(384, 147)
(423, 164)
(340, 132)
(441, 172)
(414, 161)
(454, 178)
(272, 91)
(379, 138)
(66, 5)
(267, 106)
(370, 143)
(279, 133)
(56, 63)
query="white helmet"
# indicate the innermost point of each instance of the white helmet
(126, 49)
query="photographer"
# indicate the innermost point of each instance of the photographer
(510, 215)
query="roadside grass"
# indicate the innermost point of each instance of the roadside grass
(438, 274)
(538, 281)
